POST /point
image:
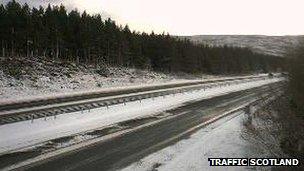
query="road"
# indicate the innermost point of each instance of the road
(123, 150)
(30, 109)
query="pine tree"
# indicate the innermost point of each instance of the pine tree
(83, 38)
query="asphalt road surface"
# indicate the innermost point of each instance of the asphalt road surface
(123, 150)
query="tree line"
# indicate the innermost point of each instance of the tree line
(57, 34)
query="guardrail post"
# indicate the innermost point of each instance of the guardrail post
(32, 118)
(248, 113)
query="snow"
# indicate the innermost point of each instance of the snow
(24, 134)
(12, 88)
(39, 77)
(223, 138)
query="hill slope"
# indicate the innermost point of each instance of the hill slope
(272, 45)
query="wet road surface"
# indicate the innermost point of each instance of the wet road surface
(123, 150)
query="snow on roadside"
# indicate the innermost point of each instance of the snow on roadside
(24, 134)
(12, 88)
(24, 77)
(222, 138)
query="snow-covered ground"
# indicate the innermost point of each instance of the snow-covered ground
(224, 138)
(23, 134)
(24, 77)
(12, 88)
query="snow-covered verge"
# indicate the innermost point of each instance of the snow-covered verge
(24, 134)
(226, 138)
(24, 77)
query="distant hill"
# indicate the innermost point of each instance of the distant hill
(272, 45)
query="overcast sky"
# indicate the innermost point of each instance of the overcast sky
(196, 17)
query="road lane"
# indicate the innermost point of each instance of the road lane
(121, 151)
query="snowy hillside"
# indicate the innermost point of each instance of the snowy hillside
(20, 77)
(272, 45)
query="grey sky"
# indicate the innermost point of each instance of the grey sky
(192, 17)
